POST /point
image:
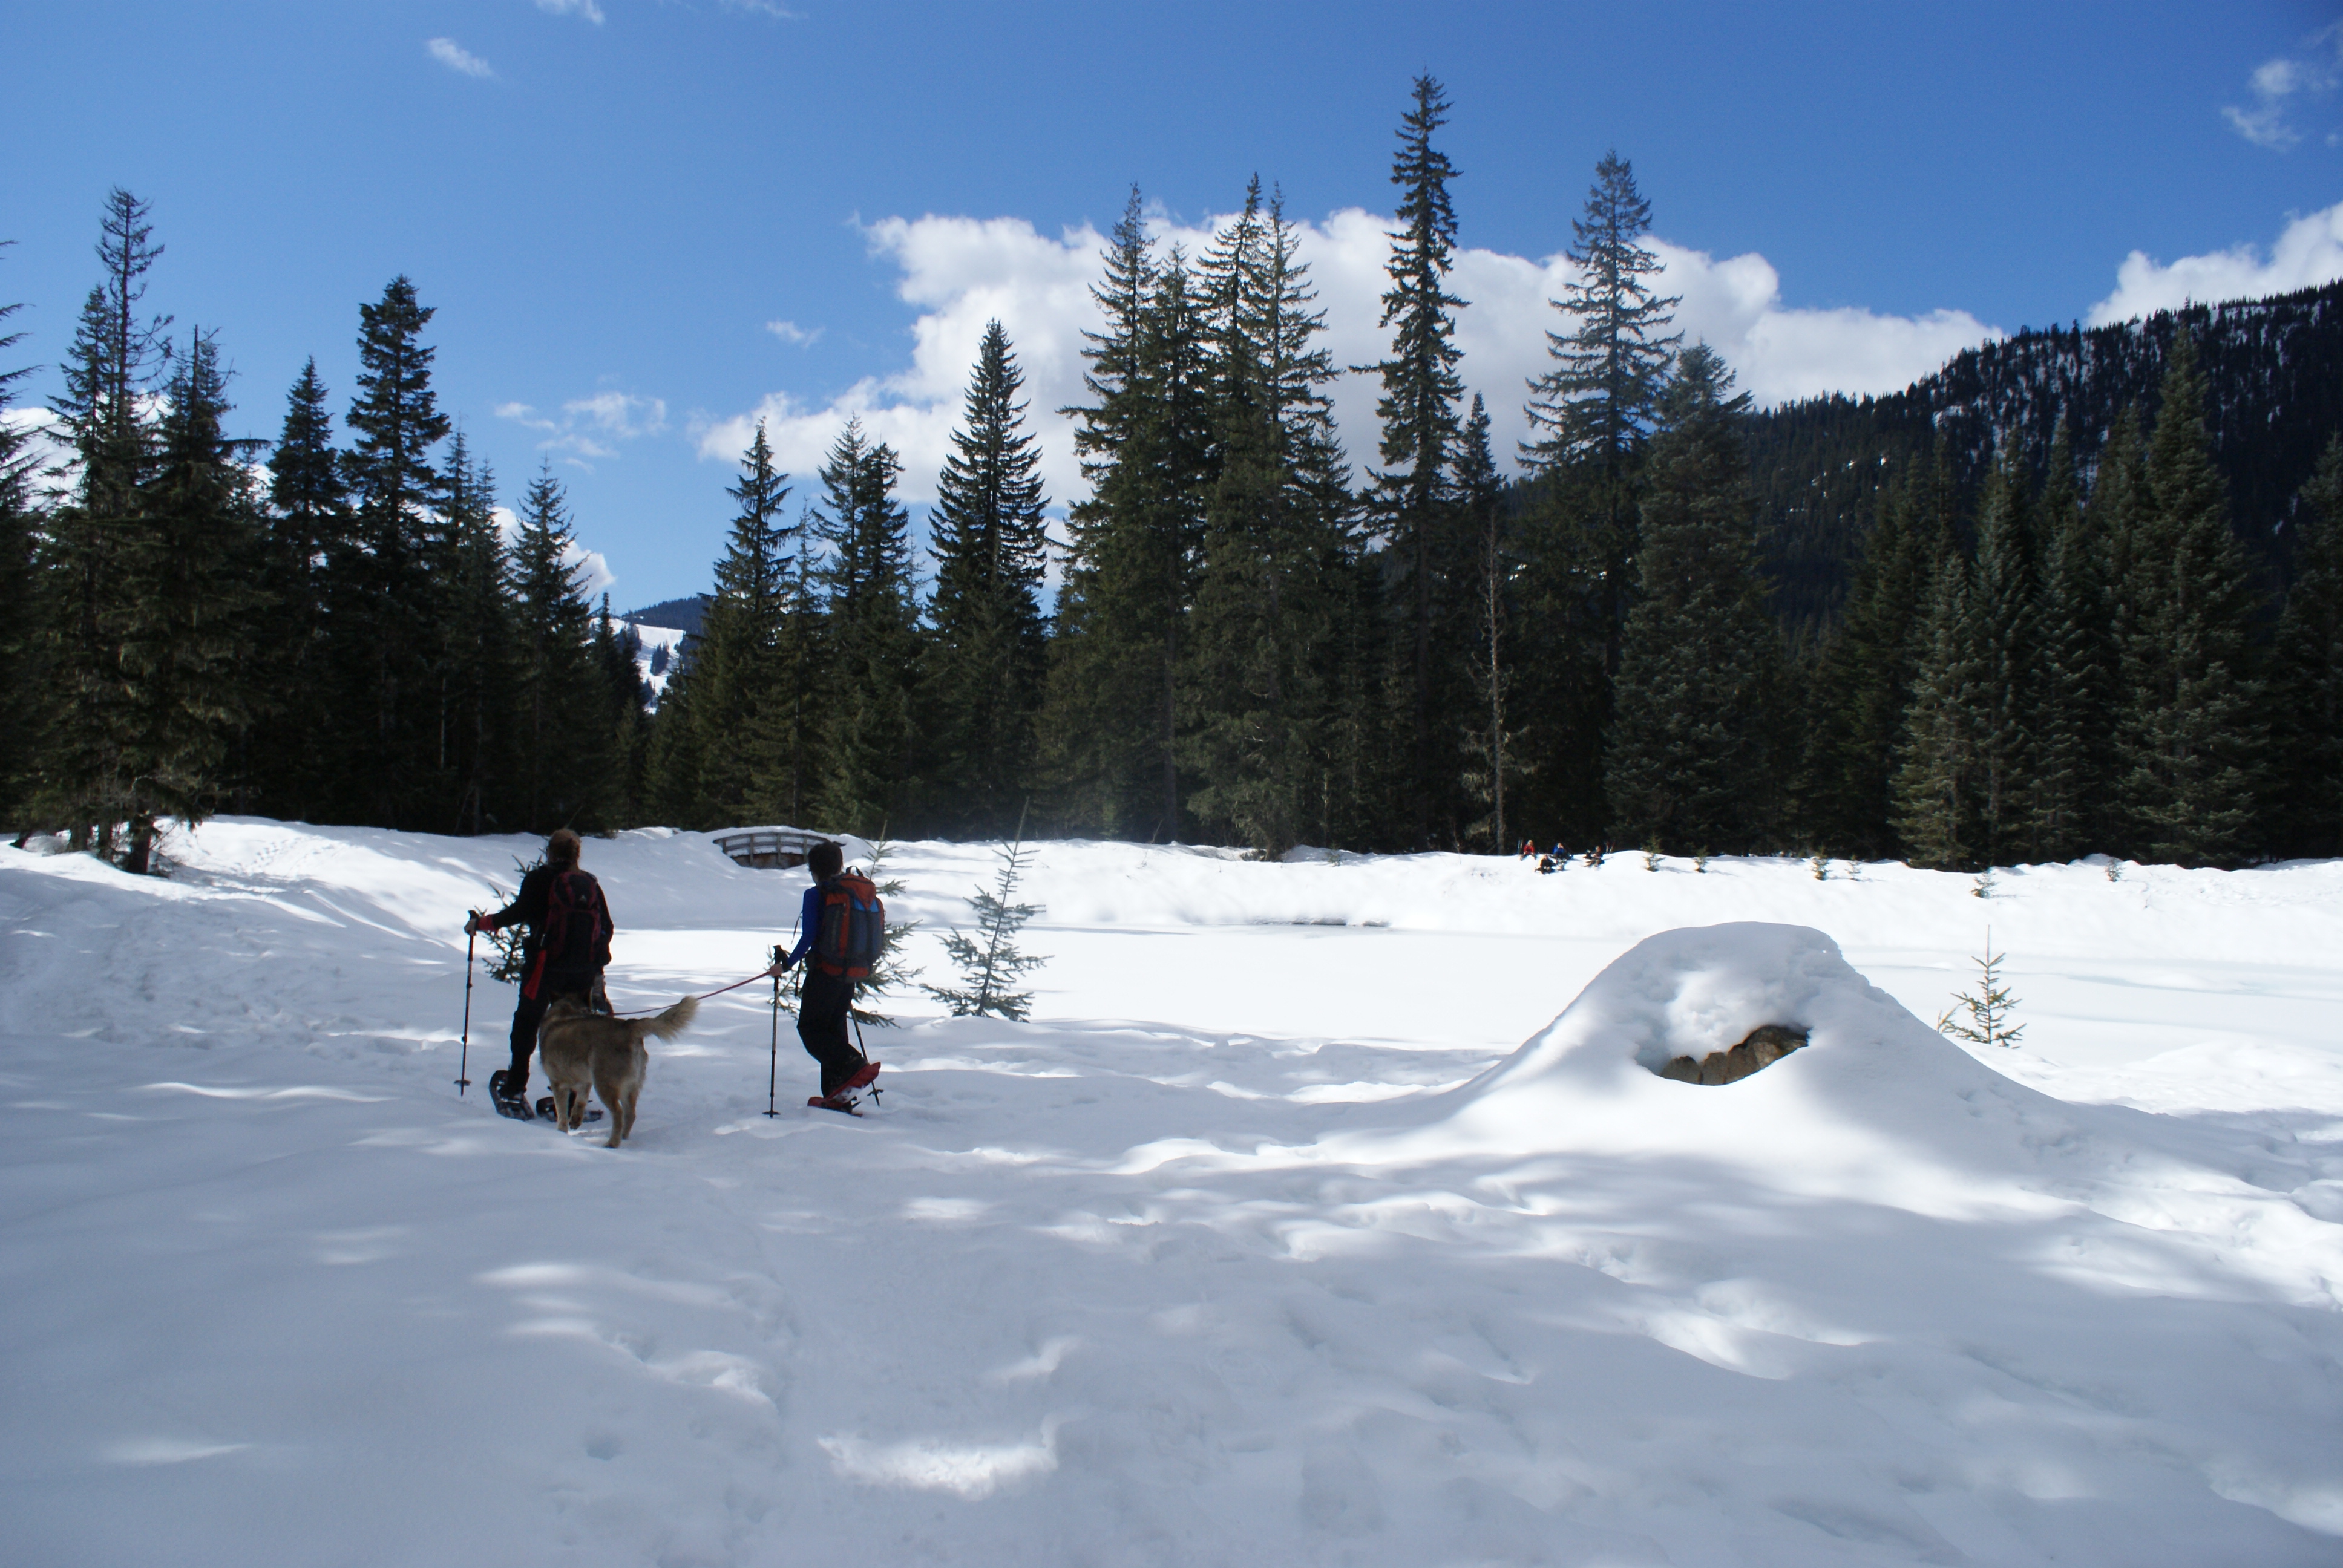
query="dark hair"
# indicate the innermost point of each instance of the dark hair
(826, 859)
(561, 849)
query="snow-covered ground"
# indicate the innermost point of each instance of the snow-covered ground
(1297, 1227)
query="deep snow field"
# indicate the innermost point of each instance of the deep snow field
(1296, 1229)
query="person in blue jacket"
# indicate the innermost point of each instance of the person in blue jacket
(825, 998)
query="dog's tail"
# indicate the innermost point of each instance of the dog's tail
(671, 1022)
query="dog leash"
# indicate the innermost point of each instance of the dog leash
(703, 996)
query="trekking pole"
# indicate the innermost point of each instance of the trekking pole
(773, 1069)
(464, 1064)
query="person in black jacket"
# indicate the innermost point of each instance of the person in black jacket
(565, 953)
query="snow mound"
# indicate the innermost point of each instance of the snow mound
(1876, 1103)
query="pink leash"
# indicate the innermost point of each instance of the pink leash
(703, 996)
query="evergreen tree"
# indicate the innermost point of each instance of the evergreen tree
(2307, 687)
(480, 648)
(1689, 743)
(989, 649)
(1276, 546)
(20, 683)
(1112, 727)
(1862, 681)
(2073, 724)
(990, 962)
(872, 616)
(2005, 608)
(556, 698)
(102, 418)
(1593, 407)
(182, 613)
(1935, 805)
(2189, 732)
(384, 614)
(1481, 495)
(623, 723)
(308, 526)
(737, 662)
(1413, 498)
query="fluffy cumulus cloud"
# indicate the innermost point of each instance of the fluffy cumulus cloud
(586, 9)
(2307, 254)
(458, 58)
(586, 428)
(2280, 88)
(790, 332)
(959, 273)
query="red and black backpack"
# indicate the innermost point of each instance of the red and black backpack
(576, 926)
(853, 930)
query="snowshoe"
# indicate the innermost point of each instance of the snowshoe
(838, 1102)
(545, 1108)
(862, 1078)
(513, 1105)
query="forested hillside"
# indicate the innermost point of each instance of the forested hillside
(2077, 591)
(2273, 397)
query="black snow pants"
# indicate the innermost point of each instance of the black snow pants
(822, 1007)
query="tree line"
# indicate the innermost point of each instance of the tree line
(1249, 642)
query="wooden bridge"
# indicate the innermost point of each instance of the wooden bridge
(770, 848)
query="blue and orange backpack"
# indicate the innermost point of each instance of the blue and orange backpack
(853, 931)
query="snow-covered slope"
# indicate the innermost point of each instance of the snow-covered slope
(1269, 1240)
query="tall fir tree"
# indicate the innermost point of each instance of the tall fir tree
(1862, 677)
(1276, 546)
(557, 694)
(104, 420)
(2306, 684)
(624, 726)
(308, 521)
(184, 610)
(1112, 728)
(2004, 609)
(1480, 496)
(2190, 734)
(1412, 498)
(2072, 762)
(385, 617)
(737, 660)
(872, 616)
(1690, 742)
(1590, 413)
(480, 648)
(989, 649)
(1935, 776)
(20, 680)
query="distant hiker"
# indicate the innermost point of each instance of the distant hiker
(567, 950)
(836, 926)
(1548, 865)
(1528, 849)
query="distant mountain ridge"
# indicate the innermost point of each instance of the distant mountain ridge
(683, 614)
(2274, 374)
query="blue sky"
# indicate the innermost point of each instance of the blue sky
(644, 224)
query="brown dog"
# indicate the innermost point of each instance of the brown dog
(581, 1048)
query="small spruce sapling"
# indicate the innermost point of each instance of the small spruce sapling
(1651, 856)
(989, 961)
(505, 946)
(1821, 863)
(1985, 1013)
(1700, 862)
(1983, 887)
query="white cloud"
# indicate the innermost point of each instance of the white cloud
(959, 273)
(586, 9)
(2277, 83)
(455, 58)
(773, 8)
(790, 332)
(618, 416)
(2307, 254)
